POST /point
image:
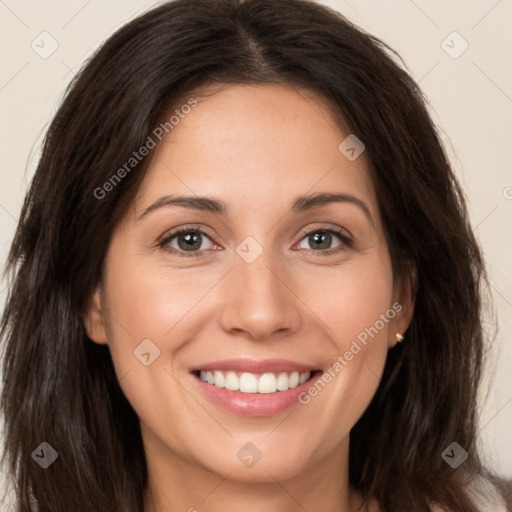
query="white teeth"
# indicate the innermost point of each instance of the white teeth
(267, 383)
(232, 382)
(283, 383)
(248, 383)
(254, 383)
(219, 379)
(294, 379)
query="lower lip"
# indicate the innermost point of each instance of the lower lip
(255, 404)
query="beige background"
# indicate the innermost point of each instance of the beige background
(471, 98)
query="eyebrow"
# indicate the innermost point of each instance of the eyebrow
(299, 205)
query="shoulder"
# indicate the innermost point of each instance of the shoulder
(483, 506)
(486, 496)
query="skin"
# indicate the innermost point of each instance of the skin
(256, 148)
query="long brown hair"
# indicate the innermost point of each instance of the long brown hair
(60, 388)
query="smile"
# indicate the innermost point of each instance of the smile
(247, 382)
(256, 388)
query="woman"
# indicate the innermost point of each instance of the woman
(244, 277)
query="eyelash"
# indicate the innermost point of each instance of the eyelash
(347, 242)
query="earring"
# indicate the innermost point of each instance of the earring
(398, 337)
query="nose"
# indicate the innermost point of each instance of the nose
(260, 303)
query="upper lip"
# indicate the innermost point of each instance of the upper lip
(255, 366)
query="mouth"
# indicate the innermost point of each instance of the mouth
(247, 382)
(254, 388)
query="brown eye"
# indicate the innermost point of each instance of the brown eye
(321, 240)
(189, 241)
(186, 240)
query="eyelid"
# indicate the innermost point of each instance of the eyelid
(345, 233)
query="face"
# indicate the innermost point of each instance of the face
(250, 342)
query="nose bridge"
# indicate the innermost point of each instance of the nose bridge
(257, 299)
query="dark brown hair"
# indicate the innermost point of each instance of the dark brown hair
(61, 388)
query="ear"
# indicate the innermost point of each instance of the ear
(93, 318)
(403, 303)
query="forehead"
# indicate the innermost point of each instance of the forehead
(252, 145)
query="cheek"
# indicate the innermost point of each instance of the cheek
(148, 302)
(352, 301)
(151, 303)
(151, 315)
(355, 306)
